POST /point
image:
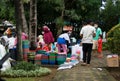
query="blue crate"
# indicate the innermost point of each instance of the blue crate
(52, 62)
(44, 61)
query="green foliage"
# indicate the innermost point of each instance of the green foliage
(59, 21)
(27, 66)
(105, 46)
(20, 79)
(6, 10)
(22, 73)
(25, 69)
(113, 39)
(110, 15)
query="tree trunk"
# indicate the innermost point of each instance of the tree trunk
(62, 18)
(24, 22)
(33, 21)
(19, 19)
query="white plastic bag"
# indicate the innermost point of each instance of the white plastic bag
(6, 65)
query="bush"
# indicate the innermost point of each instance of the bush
(25, 69)
(113, 39)
(27, 66)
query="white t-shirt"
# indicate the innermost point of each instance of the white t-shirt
(87, 32)
(11, 42)
(65, 36)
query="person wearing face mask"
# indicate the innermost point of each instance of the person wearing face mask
(95, 39)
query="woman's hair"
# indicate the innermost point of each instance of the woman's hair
(65, 31)
(100, 36)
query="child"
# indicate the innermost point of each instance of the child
(100, 55)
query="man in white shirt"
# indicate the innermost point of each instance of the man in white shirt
(87, 33)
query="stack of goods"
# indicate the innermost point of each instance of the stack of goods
(31, 56)
(40, 52)
(45, 58)
(38, 56)
(25, 45)
(61, 58)
(38, 59)
(52, 58)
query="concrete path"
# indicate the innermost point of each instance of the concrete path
(94, 72)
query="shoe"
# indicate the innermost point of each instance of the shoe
(83, 64)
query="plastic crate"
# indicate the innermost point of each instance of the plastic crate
(61, 58)
(52, 62)
(43, 61)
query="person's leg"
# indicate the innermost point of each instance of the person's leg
(100, 55)
(12, 53)
(94, 48)
(64, 48)
(84, 52)
(59, 48)
(89, 53)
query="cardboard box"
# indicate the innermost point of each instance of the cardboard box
(112, 60)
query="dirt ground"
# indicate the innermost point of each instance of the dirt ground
(114, 71)
(48, 77)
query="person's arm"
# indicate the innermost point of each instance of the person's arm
(100, 31)
(94, 32)
(81, 33)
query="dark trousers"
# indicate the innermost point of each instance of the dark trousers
(87, 49)
(13, 53)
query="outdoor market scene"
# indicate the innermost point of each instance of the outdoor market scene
(59, 40)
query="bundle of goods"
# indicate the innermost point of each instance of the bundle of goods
(25, 45)
(61, 58)
(45, 58)
(40, 52)
(52, 58)
(38, 59)
(31, 56)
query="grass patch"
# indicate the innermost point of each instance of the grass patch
(20, 79)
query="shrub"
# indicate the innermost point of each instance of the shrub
(113, 39)
(25, 69)
(27, 66)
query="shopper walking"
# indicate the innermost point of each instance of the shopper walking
(95, 39)
(87, 33)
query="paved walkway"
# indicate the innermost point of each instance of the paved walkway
(94, 72)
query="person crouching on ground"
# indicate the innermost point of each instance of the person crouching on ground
(62, 42)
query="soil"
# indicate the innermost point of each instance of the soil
(48, 77)
(114, 71)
